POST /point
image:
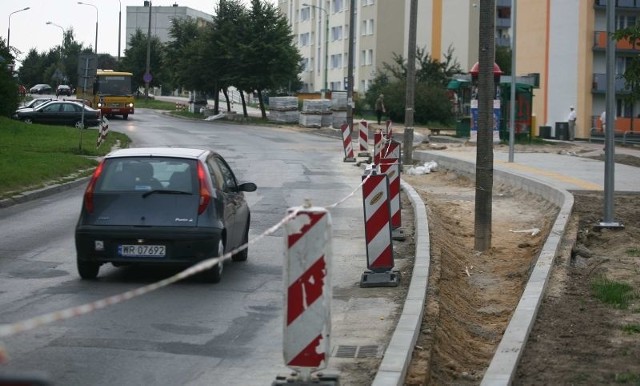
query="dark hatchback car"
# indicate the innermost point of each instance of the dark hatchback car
(61, 113)
(162, 206)
(41, 88)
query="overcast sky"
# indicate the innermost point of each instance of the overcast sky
(29, 28)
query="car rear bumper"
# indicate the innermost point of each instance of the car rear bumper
(183, 245)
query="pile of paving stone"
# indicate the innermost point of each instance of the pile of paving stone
(283, 109)
(315, 113)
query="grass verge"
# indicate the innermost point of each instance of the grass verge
(613, 293)
(31, 154)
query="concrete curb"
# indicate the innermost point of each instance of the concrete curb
(42, 192)
(397, 356)
(504, 364)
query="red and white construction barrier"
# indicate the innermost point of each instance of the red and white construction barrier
(377, 219)
(346, 143)
(390, 149)
(391, 167)
(388, 131)
(308, 291)
(363, 138)
(378, 142)
(102, 133)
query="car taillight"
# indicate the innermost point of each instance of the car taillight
(88, 194)
(205, 193)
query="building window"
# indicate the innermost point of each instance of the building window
(367, 2)
(367, 27)
(336, 61)
(335, 85)
(338, 6)
(305, 64)
(366, 57)
(304, 39)
(336, 33)
(305, 14)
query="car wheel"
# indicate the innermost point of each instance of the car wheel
(79, 125)
(242, 255)
(87, 270)
(214, 274)
(125, 116)
(27, 121)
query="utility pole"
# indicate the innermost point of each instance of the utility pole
(411, 85)
(350, 103)
(147, 73)
(484, 155)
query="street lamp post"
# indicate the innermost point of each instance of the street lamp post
(61, 29)
(119, 27)
(91, 5)
(9, 29)
(326, 45)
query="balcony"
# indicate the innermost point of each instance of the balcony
(627, 4)
(599, 85)
(600, 41)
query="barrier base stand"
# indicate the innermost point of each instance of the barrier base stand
(380, 279)
(364, 154)
(317, 379)
(398, 234)
(349, 159)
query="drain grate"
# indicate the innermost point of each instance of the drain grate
(368, 352)
(346, 351)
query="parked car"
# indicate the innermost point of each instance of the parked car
(41, 89)
(163, 206)
(35, 102)
(63, 89)
(59, 112)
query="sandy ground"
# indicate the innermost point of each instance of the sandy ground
(577, 339)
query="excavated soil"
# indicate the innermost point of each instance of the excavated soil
(576, 339)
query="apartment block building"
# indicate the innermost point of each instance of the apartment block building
(565, 41)
(161, 19)
(381, 29)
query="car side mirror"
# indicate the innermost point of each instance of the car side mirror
(247, 187)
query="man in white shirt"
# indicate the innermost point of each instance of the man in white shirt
(571, 118)
(603, 120)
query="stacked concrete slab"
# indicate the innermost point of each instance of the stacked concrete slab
(338, 108)
(315, 113)
(283, 109)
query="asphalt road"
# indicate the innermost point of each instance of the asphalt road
(191, 333)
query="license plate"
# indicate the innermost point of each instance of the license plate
(142, 250)
(115, 110)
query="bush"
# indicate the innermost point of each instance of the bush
(431, 103)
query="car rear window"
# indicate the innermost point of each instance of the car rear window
(136, 174)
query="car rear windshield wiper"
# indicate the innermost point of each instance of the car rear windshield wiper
(164, 191)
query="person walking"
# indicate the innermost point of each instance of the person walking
(603, 120)
(380, 109)
(571, 118)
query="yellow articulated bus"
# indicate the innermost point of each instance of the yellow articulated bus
(111, 93)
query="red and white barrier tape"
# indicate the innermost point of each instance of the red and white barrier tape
(29, 324)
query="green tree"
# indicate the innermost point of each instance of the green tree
(503, 59)
(431, 101)
(177, 56)
(272, 60)
(8, 85)
(135, 59)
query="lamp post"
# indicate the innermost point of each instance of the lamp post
(119, 27)
(326, 44)
(91, 5)
(9, 29)
(61, 29)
